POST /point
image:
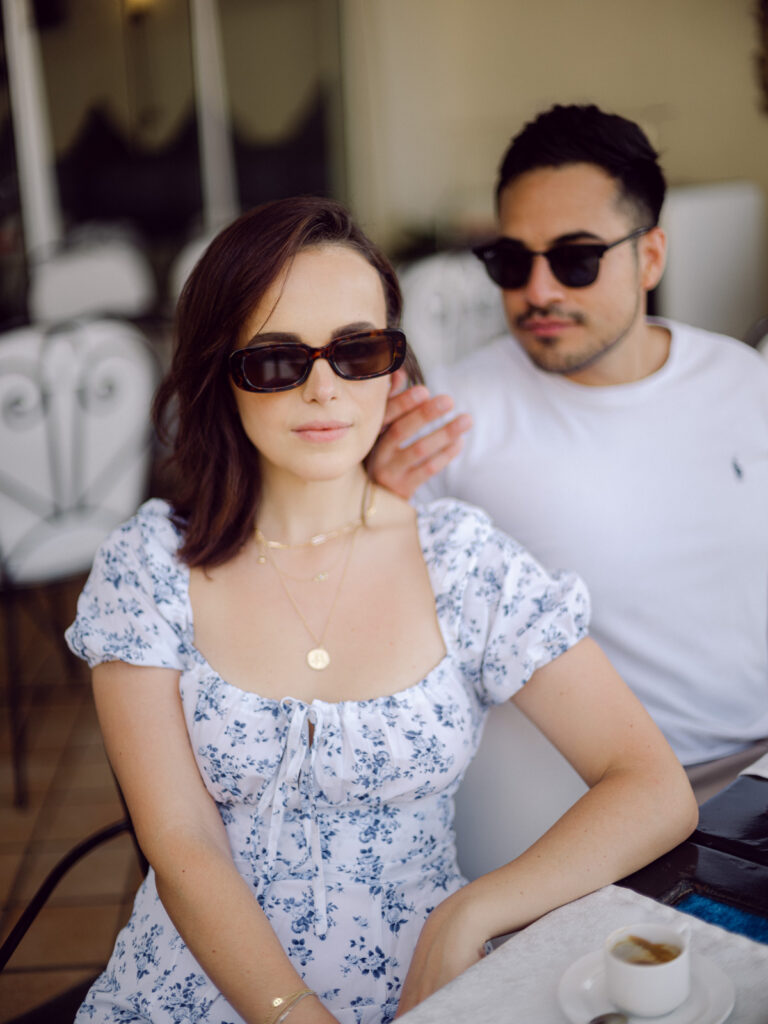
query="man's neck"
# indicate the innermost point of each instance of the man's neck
(638, 355)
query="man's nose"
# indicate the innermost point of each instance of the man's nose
(542, 287)
(322, 383)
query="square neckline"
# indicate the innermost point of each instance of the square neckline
(399, 695)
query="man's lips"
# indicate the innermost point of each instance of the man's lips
(545, 328)
(322, 430)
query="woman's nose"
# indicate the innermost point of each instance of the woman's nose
(322, 383)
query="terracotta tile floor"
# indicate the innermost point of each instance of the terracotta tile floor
(71, 795)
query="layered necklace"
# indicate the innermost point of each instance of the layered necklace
(318, 657)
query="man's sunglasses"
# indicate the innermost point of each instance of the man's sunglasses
(280, 366)
(575, 265)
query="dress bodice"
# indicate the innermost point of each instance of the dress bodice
(349, 835)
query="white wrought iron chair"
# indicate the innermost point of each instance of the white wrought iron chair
(450, 307)
(75, 454)
(515, 789)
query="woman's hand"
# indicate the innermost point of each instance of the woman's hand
(451, 941)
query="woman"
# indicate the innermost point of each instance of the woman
(291, 671)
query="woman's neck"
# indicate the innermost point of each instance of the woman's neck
(292, 511)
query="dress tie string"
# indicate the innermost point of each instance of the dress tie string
(294, 786)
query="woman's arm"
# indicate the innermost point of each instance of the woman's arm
(639, 805)
(183, 838)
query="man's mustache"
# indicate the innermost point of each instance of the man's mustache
(548, 312)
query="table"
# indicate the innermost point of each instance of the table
(725, 861)
(517, 983)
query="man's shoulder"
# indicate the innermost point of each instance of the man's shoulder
(697, 342)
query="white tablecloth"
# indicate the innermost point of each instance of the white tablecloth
(759, 768)
(517, 983)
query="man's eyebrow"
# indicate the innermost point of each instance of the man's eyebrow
(577, 236)
(570, 237)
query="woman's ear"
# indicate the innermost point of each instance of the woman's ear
(653, 256)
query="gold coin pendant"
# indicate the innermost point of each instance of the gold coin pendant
(318, 658)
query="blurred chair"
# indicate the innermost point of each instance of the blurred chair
(717, 257)
(516, 788)
(99, 270)
(62, 1008)
(450, 307)
(75, 455)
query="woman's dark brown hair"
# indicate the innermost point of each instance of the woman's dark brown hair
(216, 482)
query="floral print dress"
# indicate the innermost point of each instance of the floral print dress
(347, 841)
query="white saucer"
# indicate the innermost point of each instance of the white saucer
(582, 993)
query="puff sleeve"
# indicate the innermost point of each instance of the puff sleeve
(133, 607)
(507, 616)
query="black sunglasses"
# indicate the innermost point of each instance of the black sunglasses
(280, 366)
(576, 265)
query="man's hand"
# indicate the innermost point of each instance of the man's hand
(404, 469)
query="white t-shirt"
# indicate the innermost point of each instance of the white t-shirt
(656, 493)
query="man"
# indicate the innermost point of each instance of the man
(634, 451)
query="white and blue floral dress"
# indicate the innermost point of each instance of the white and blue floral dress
(347, 841)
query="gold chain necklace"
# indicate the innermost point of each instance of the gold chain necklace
(323, 538)
(318, 657)
(319, 577)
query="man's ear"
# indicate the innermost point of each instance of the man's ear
(652, 251)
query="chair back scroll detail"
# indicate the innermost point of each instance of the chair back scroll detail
(75, 442)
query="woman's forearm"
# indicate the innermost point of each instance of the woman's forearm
(220, 920)
(614, 829)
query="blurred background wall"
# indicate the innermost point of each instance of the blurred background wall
(400, 107)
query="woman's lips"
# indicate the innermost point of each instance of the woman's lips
(322, 432)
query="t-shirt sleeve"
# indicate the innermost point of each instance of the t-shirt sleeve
(517, 616)
(131, 608)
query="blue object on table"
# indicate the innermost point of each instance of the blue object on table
(731, 918)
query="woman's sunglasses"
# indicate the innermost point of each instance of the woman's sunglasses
(280, 366)
(575, 265)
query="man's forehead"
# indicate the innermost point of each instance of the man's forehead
(552, 204)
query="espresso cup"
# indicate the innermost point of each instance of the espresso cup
(648, 967)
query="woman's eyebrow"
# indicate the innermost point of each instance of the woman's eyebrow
(288, 338)
(355, 328)
(268, 337)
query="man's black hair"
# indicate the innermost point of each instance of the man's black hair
(584, 134)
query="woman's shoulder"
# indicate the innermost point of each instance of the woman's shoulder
(461, 527)
(142, 552)
(133, 607)
(151, 529)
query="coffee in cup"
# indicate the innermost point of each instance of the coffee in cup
(647, 967)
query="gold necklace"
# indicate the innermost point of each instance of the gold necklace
(319, 577)
(318, 657)
(323, 538)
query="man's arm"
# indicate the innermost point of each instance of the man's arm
(401, 466)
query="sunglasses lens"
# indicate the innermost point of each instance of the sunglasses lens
(509, 265)
(508, 268)
(575, 266)
(365, 355)
(273, 367)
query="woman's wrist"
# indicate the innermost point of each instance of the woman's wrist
(283, 1005)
